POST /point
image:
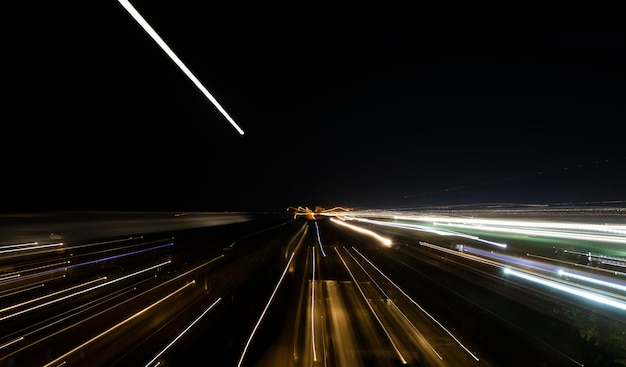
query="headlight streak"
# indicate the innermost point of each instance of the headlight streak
(155, 36)
(592, 296)
(385, 241)
(83, 291)
(62, 357)
(183, 332)
(380, 322)
(419, 306)
(267, 305)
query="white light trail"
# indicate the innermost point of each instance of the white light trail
(31, 247)
(568, 289)
(183, 332)
(155, 36)
(267, 306)
(593, 280)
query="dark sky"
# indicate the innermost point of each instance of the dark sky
(388, 105)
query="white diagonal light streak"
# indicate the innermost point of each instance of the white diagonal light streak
(155, 36)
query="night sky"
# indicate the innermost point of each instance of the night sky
(401, 105)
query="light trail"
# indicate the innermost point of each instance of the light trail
(82, 291)
(29, 248)
(62, 357)
(169, 281)
(183, 332)
(11, 342)
(155, 36)
(414, 227)
(592, 296)
(267, 305)
(319, 239)
(101, 259)
(385, 241)
(578, 231)
(23, 271)
(69, 314)
(33, 300)
(604, 283)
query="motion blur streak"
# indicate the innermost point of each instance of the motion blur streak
(23, 271)
(267, 305)
(319, 239)
(51, 295)
(414, 227)
(142, 22)
(577, 231)
(385, 241)
(29, 248)
(380, 322)
(418, 306)
(12, 342)
(59, 359)
(568, 289)
(589, 279)
(184, 331)
(84, 291)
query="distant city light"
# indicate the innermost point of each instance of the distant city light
(144, 24)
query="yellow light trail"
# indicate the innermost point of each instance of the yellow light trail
(59, 359)
(385, 241)
(155, 36)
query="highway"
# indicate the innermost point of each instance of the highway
(350, 288)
